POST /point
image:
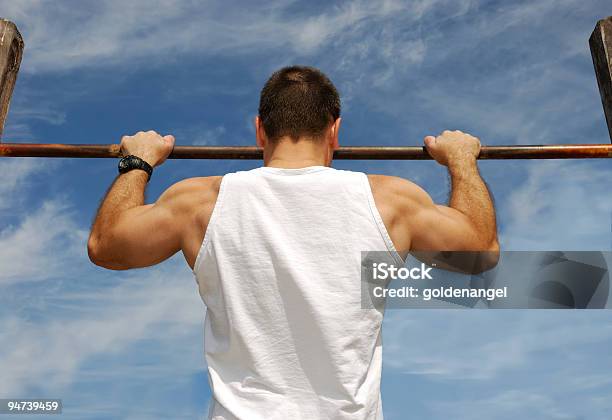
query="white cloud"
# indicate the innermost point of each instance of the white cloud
(561, 205)
(19, 177)
(159, 304)
(48, 115)
(466, 345)
(17, 174)
(44, 244)
(508, 404)
(208, 136)
(113, 32)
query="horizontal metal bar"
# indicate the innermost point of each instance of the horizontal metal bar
(564, 151)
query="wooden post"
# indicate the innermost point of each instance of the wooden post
(11, 50)
(601, 51)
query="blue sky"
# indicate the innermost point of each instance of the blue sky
(129, 344)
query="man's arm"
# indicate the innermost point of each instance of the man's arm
(469, 219)
(126, 233)
(129, 234)
(467, 224)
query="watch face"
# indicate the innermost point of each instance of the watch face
(123, 164)
(126, 163)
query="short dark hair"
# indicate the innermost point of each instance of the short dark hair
(298, 101)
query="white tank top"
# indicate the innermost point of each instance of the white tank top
(279, 271)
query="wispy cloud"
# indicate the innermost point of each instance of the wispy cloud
(42, 245)
(17, 173)
(159, 305)
(564, 205)
(110, 32)
(205, 136)
(466, 345)
(508, 405)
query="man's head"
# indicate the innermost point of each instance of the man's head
(298, 103)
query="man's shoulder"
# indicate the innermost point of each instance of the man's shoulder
(395, 186)
(196, 185)
(194, 191)
(400, 196)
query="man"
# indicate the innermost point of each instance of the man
(276, 251)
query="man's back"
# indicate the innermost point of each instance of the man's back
(286, 335)
(279, 271)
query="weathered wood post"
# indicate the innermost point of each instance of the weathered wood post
(601, 51)
(11, 50)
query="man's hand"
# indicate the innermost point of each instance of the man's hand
(150, 147)
(453, 147)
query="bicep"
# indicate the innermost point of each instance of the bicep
(441, 228)
(430, 226)
(144, 236)
(434, 228)
(415, 222)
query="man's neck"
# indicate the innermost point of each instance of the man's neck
(292, 155)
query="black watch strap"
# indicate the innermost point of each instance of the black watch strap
(129, 162)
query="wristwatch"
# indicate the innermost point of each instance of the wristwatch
(129, 162)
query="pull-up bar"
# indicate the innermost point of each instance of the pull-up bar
(569, 151)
